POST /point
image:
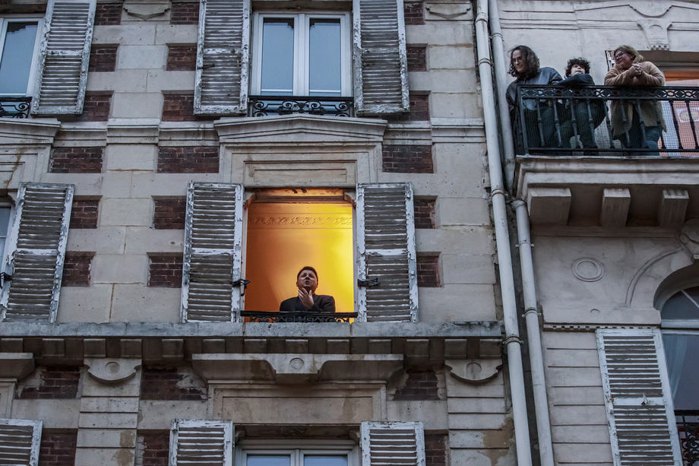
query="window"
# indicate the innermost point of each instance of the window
(18, 46)
(303, 54)
(318, 453)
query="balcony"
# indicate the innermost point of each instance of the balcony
(573, 171)
(688, 430)
(266, 105)
(15, 107)
(307, 316)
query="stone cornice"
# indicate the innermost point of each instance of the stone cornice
(17, 131)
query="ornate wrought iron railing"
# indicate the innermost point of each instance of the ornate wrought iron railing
(265, 105)
(15, 107)
(307, 316)
(688, 429)
(603, 120)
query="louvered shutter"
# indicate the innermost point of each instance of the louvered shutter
(196, 442)
(639, 405)
(392, 444)
(212, 254)
(37, 246)
(387, 269)
(380, 59)
(222, 57)
(65, 55)
(20, 441)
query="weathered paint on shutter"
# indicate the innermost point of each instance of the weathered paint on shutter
(20, 441)
(65, 55)
(222, 57)
(212, 254)
(37, 250)
(636, 390)
(386, 252)
(198, 442)
(380, 59)
(392, 443)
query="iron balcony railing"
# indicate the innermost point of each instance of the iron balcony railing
(558, 120)
(688, 430)
(265, 105)
(15, 107)
(303, 316)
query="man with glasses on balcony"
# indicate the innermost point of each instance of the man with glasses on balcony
(636, 123)
(307, 299)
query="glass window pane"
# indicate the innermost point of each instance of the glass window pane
(684, 377)
(268, 460)
(325, 460)
(17, 54)
(277, 56)
(682, 305)
(325, 42)
(4, 226)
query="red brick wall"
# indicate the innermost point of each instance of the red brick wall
(436, 447)
(58, 447)
(428, 270)
(108, 14)
(84, 213)
(419, 108)
(153, 447)
(76, 269)
(181, 57)
(171, 384)
(420, 385)
(417, 57)
(405, 158)
(178, 106)
(76, 160)
(414, 12)
(103, 57)
(188, 159)
(169, 213)
(50, 383)
(165, 269)
(184, 13)
(424, 208)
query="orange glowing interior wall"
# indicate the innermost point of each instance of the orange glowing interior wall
(283, 237)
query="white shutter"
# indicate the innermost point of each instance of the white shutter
(65, 55)
(222, 57)
(392, 444)
(380, 59)
(212, 254)
(196, 442)
(20, 441)
(387, 268)
(639, 405)
(36, 252)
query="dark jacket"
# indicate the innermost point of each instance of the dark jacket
(321, 303)
(581, 80)
(544, 77)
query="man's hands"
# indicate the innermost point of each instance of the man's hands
(306, 297)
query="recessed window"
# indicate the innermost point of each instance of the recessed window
(18, 42)
(314, 455)
(305, 54)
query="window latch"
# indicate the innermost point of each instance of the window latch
(368, 283)
(242, 284)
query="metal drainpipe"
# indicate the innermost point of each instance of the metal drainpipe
(500, 87)
(502, 241)
(536, 358)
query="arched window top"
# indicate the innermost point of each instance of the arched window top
(683, 305)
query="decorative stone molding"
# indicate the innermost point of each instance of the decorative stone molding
(690, 237)
(146, 11)
(112, 371)
(474, 371)
(16, 365)
(656, 33)
(588, 269)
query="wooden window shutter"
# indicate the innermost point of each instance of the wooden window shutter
(392, 443)
(387, 268)
(221, 83)
(36, 251)
(636, 391)
(20, 441)
(380, 59)
(197, 442)
(65, 55)
(212, 252)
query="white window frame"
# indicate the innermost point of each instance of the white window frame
(297, 450)
(31, 79)
(301, 38)
(6, 204)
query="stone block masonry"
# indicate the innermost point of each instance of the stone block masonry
(58, 447)
(103, 57)
(108, 14)
(188, 159)
(84, 213)
(428, 269)
(414, 13)
(184, 13)
(50, 383)
(169, 213)
(153, 448)
(181, 57)
(76, 268)
(424, 208)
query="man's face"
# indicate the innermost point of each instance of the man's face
(577, 69)
(623, 59)
(307, 279)
(518, 62)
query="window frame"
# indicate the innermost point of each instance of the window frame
(33, 69)
(297, 449)
(301, 71)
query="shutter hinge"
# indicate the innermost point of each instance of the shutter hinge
(368, 283)
(242, 284)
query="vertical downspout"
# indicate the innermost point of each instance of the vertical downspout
(502, 241)
(536, 357)
(500, 87)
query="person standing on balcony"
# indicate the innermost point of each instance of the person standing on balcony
(540, 116)
(581, 116)
(636, 123)
(307, 299)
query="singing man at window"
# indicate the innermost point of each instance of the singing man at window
(307, 299)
